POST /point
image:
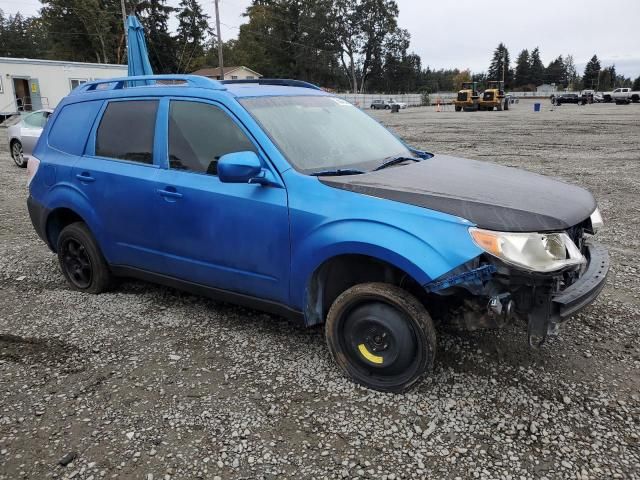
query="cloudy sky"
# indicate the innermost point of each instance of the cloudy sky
(452, 34)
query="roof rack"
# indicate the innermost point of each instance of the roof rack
(283, 82)
(127, 82)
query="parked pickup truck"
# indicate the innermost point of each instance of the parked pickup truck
(622, 96)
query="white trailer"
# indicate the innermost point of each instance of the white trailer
(30, 84)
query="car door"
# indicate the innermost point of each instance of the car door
(230, 236)
(117, 175)
(32, 125)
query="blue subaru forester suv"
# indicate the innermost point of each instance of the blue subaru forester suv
(276, 195)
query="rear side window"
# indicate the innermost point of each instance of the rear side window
(72, 126)
(199, 134)
(126, 131)
(36, 120)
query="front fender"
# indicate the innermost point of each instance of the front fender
(411, 253)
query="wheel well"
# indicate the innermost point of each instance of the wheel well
(56, 221)
(340, 273)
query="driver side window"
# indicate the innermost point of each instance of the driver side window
(199, 134)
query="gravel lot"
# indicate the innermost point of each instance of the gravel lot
(147, 382)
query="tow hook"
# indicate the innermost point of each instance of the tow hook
(502, 307)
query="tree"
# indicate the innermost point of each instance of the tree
(84, 30)
(636, 84)
(591, 73)
(22, 37)
(154, 16)
(499, 67)
(536, 68)
(363, 26)
(556, 72)
(573, 79)
(522, 74)
(193, 30)
(460, 78)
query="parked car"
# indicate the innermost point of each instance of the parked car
(24, 134)
(393, 102)
(560, 98)
(622, 96)
(380, 105)
(280, 196)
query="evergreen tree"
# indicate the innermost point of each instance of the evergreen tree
(591, 73)
(636, 84)
(536, 68)
(193, 30)
(522, 76)
(556, 72)
(499, 67)
(154, 16)
(85, 30)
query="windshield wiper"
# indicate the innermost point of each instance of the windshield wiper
(337, 172)
(395, 161)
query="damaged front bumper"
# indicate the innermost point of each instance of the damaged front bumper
(552, 306)
(489, 291)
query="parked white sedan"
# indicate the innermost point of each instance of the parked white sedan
(24, 135)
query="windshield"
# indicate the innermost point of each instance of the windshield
(317, 133)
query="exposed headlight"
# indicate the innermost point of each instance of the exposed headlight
(596, 220)
(540, 252)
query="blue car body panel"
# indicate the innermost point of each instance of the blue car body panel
(262, 241)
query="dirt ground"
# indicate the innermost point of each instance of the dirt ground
(147, 382)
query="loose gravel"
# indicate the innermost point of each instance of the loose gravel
(148, 382)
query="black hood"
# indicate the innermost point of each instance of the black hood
(491, 196)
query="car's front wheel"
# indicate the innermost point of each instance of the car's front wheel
(81, 261)
(17, 154)
(381, 336)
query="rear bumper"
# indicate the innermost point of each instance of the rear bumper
(584, 290)
(38, 214)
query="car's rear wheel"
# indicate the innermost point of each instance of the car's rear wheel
(381, 336)
(17, 154)
(81, 261)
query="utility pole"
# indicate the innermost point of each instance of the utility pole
(124, 22)
(220, 59)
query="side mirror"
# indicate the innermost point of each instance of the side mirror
(239, 167)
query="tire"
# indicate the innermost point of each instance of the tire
(498, 108)
(81, 261)
(489, 109)
(371, 324)
(17, 154)
(387, 107)
(458, 109)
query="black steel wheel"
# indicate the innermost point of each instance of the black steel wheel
(81, 261)
(17, 154)
(381, 336)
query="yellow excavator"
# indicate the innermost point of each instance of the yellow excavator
(468, 97)
(493, 96)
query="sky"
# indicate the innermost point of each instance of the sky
(460, 34)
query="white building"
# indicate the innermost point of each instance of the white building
(230, 73)
(30, 84)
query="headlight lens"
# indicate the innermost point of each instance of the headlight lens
(540, 252)
(596, 220)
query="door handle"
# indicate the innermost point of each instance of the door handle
(169, 192)
(85, 177)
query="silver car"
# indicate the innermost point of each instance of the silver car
(25, 133)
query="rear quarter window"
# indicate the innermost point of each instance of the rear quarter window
(72, 126)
